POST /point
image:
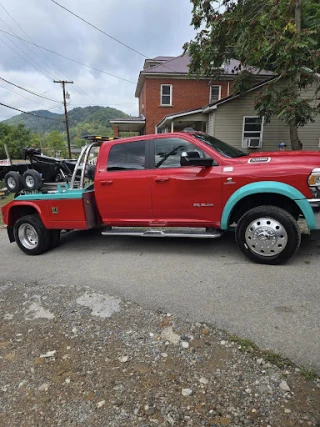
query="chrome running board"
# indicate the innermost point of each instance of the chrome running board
(193, 233)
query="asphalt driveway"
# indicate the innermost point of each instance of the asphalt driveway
(278, 307)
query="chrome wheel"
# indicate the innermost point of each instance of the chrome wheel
(29, 180)
(28, 236)
(266, 237)
(11, 183)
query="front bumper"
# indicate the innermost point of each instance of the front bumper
(315, 204)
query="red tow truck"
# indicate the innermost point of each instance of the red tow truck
(185, 184)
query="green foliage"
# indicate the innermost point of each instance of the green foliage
(16, 138)
(309, 374)
(56, 144)
(97, 119)
(262, 34)
(51, 136)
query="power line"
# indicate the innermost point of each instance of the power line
(17, 53)
(29, 38)
(22, 119)
(80, 92)
(25, 97)
(106, 34)
(70, 59)
(29, 91)
(98, 29)
(36, 65)
(31, 114)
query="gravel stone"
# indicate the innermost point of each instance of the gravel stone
(76, 368)
(284, 386)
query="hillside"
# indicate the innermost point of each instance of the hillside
(81, 120)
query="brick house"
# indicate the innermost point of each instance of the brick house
(164, 88)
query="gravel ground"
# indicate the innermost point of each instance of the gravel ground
(72, 357)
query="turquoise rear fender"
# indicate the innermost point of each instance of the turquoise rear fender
(269, 187)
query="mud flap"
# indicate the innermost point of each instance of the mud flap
(10, 234)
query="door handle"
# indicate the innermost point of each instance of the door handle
(106, 182)
(161, 179)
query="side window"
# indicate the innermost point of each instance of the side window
(127, 156)
(252, 132)
(168, 152)
(215, 93)
(166, 95)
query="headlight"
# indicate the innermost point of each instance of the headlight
(314, 178)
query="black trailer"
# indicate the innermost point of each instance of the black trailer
(35, 171)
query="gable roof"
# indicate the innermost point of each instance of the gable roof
(214, 105)
(179, 66)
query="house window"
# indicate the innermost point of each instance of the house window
(166, 95)
(252, 132)
(215, 94)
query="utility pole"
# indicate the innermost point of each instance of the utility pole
(63, 83)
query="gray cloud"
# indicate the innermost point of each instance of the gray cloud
(152, 27)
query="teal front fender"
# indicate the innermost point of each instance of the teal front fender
(269, 187)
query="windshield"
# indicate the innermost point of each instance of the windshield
(225, 149)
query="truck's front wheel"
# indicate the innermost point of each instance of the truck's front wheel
(31, 235)
(268, 235)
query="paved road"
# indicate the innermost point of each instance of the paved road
(277, 307)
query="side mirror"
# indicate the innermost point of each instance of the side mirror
(192, 158)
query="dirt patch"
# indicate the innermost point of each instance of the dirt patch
(73, 357)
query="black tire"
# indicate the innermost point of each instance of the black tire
(13, 182)
(55, 238)
(31, 235)
(31, 180)
(268, 235)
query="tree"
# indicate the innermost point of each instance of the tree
(281, 36)
(56, 144)
(16, 138)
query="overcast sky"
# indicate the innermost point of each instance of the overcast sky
(152, 27)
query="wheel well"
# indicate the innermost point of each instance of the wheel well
(263, 199)
(17, 212)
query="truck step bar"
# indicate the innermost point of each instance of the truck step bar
(188, 232)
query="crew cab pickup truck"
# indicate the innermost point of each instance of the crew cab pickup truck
(185, 184)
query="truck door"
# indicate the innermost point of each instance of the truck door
(184, 194)
(122, 183)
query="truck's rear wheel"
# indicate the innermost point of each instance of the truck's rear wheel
(13, 181)
(31, 180)
(268, 235)
(31, 235)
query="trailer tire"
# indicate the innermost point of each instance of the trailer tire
(31, 180)
(13, 181)
(31, 235)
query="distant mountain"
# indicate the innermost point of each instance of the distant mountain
(87, 120)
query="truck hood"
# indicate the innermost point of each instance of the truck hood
(286, 157)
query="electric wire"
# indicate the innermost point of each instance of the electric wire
(70, 59)
(31, 114)
(36, 65)
(29, 91)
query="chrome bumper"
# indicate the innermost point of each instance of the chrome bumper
(315, 204)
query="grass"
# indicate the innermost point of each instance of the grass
(248, 346)
(308, 374)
